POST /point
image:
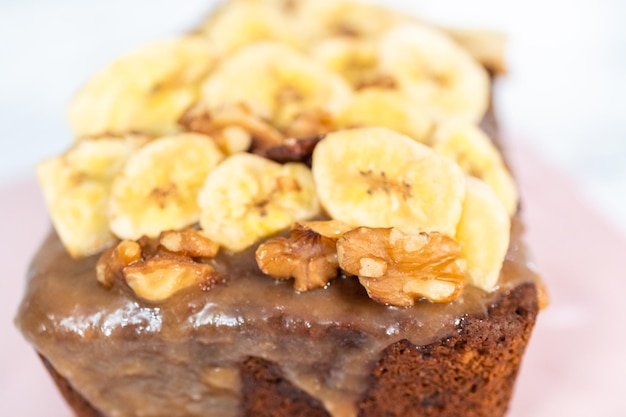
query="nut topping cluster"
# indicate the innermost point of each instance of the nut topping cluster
(236, 128)
(237, 135)
(155, 269)
(215, 123)
(394, 267)
(397, 268)
(309, 255)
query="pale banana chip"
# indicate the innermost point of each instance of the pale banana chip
(277, 83)
(332, 18)
(476, 154)
(241, 23)
(438, 74)
(76, 187)
(357, 60)
(486, 46)
(248, 197)
(145, 91)
(484, 234)
(159, 185)
(390, 109)
(376, 177)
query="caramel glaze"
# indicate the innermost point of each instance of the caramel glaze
(128, 357)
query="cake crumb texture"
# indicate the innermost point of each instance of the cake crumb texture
(470, 374)
(267, 393)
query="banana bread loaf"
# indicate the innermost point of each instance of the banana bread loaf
(301, 208)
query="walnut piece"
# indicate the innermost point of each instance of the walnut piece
(160, 277)
(217, 122)
(333, 229)
(232, 139)
(293, 150)
(307, 256)
(236, 128)
(114, 259)
(188, 242)
(396, 268)
(310, 124)
(157, 268)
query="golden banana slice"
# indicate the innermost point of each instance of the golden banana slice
(248, 197)
(76, 187)
(331, 18)
(240, 23)
(390, 109)
(376, 177)
(486, 46)
(277, 83)
(357, 60)
(484, 234)
(435, 72)
(144, 91)
(158, 188)
(476, 154)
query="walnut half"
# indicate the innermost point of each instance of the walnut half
(396, 268)
(155, 269)
(261, 135)
(309, 255)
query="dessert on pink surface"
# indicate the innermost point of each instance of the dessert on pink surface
(555, 366)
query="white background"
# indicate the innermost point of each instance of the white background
(562, 104)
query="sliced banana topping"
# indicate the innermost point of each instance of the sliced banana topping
(488, 47)
(76, 187)
(248, 197)
(159, 185)
(144, 91)
(484, 234)
(357, 60)
(476, 154)
(240, 23)
(376, 177)
(280, 79)
(277, 83)
(390, 109)
(331, 18)
(435, 72)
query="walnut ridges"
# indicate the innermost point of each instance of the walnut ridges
(396, 268)
(216, 122)
(155, 269)
(307, 256)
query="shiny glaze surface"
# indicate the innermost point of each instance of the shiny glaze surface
(112, 345)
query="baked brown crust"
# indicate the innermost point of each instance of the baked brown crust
(75, 400)
(267, 393)
(470, 374)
